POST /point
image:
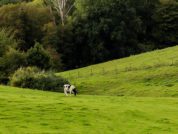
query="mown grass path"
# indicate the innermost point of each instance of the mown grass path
(35, 112)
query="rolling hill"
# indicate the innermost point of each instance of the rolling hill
(148, 74)
(152, 76)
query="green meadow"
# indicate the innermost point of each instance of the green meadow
(24, 111)
(134, 95)
(126, 83)
(151, 74)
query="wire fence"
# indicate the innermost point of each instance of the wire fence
(116, 69)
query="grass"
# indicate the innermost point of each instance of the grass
(151, 74)
(25, 111)
(113, 106)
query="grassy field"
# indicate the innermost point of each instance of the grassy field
(152, 74)
(25, 111)
(113, 106)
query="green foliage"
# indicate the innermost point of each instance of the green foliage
(108, 29)
(50, 42)
(4, 2)
(94, 30)
(101, 32)
(10, 62)
(56, 63)
(10, 59)
(37, 56)
(145, 9)
(27, 21)
(30, 23)
(166, 29)
(32, 77)
(6, 41)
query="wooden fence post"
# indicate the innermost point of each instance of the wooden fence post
(116, 70)
(103, 70)
(78, 74)
(172, 61)
(91, 72)
(69, 74)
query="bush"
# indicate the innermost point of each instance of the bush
(34, 78)
(10, 59)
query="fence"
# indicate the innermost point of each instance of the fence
(91, 71)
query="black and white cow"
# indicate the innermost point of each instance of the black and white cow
(70, 89)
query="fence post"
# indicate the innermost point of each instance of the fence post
(103, 71)
(69, 74)
(172, 61)
(91, 72)
(116, 70)
(126, 69)
(78, 74)
(130, 67)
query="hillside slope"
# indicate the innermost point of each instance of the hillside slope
(149, 74)
(24, 111)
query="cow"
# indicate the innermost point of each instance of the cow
(70, 89)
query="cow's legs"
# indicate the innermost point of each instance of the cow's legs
(75, 92)
(65, 92)
(70, 92)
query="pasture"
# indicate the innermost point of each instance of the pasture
(151, 74)
(24, 111)
(134, 95)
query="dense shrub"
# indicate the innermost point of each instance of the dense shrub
(32, 77)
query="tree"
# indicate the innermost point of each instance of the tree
(100, 31)
(4, 2)
(10, 59)
(62, 7)
(37, 56)
(27, 21)
(6, 41)
(10, 62)
(166, 27)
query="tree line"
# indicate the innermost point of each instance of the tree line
(67, 34)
